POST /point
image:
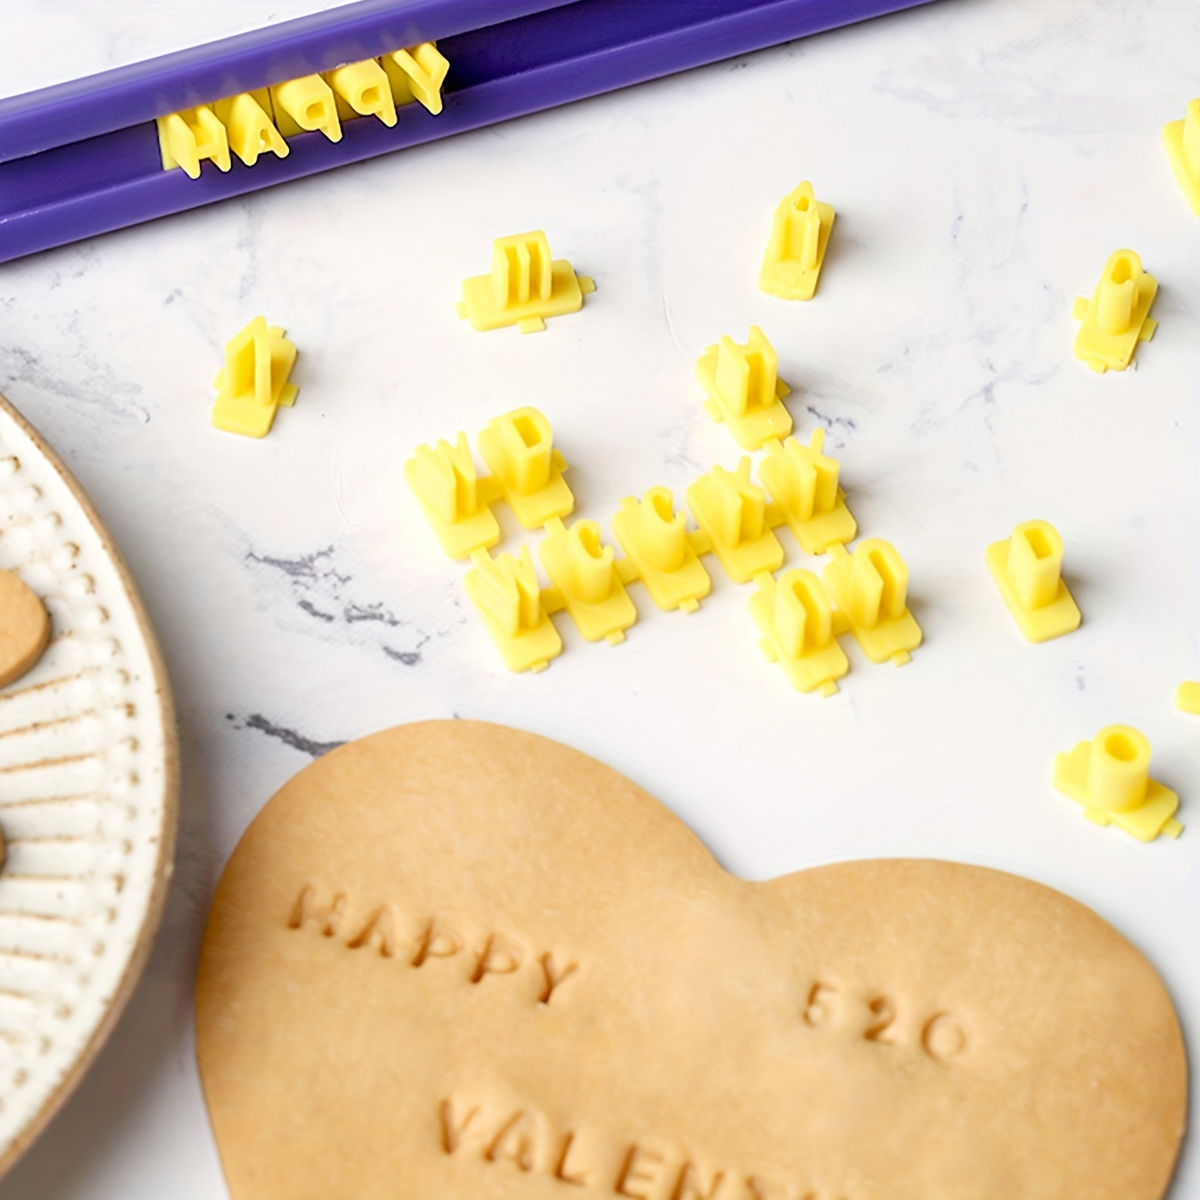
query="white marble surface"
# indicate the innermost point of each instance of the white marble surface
(984, 156)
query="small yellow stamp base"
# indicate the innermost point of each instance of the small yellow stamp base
(524, 286)
(567, 291)
(743, 389)
(518, 450)
(504, 591)
(659, 552)
(1059, 616)
(731, 513)
(253, 384)
(1182, 140)
(796, 250)
(1187, 697)
(795, 616)
(454, 499)
(1117, 317)
(1153, 816)
(803, 481)
(870, 589)
(585, 582)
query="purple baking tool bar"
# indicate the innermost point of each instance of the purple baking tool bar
(83, 157)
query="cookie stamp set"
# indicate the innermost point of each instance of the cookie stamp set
(453, 959)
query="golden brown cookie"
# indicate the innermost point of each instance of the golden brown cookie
(454, 961)
(24, 628)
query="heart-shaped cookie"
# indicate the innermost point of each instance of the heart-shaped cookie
(24, 628)
(454, 961)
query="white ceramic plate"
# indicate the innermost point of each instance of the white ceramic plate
(88, 791)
